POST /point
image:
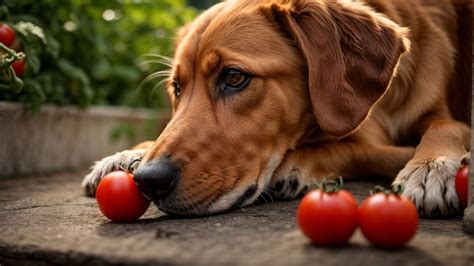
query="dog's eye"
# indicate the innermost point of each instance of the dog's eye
(234, 80)
(177, 89)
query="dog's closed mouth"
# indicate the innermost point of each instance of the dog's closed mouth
(190, 213)
(250, 192)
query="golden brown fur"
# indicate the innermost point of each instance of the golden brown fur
(338, 87)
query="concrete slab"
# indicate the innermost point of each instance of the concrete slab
(46, 220)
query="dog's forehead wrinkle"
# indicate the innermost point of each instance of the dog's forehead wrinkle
(211, 62)
(229, 28)
(187, 49)
(236, 31)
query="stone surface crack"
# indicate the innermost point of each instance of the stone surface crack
(45, 206)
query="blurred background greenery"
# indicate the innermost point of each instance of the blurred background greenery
(83, 52)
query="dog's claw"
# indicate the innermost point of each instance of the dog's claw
(466, 159)
(430, 185)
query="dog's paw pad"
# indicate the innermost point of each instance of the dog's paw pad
(430, 185)
(288, 185)
(466, 159)
(118, 161)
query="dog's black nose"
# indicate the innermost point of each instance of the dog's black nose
(156, 179)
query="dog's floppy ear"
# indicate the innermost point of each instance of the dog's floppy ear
(351, 53)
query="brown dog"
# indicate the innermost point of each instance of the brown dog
(272, 95)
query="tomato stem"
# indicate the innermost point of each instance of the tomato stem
(7, 57)
(10, 56)
(396, 190)
(331, 185)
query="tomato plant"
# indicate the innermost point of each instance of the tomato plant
(387, 219)
(461, 184)
(7, 35)
(328, 216)
(119, 198)
(91, 52)
(8, 76)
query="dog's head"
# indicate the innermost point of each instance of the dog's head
(250, 81)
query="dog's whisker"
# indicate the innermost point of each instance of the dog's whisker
(206, 203)
(152, 77)
(155, 61)
(198, 207)
(194, 208)
(267, 191)
(165, 72)
(153, 90)
(158, 55)
(227, 168)
(226, 177)
(166, 59)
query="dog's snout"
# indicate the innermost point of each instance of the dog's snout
(157, 179)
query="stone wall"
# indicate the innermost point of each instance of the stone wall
(65, 138)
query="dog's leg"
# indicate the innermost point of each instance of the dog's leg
(301, 168)
(429, 177)
(118, 161)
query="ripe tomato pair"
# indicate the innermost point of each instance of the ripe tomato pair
(7, 37)
(330, 217)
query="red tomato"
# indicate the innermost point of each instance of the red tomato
(19, 67)
(328, 218)
(461, 183)
(7, 35)
(119, 198)
(388, 220)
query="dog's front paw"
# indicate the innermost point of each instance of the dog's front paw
(430, 185)
(291, 179)
(466, 159)
(288, 185)
(119, 161)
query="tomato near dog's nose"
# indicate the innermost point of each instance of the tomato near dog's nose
(156, 179)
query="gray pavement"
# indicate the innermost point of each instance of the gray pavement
(46, 220)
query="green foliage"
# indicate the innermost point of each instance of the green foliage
(84, 52)
(9, 80)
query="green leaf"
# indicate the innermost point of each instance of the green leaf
(33, 95)
(73, 72)
(101, 70)
(33, 62)
(52, 46)
(75, 56)
(85, 96)
(30, 30)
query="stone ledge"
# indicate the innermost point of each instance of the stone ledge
(63, 138)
